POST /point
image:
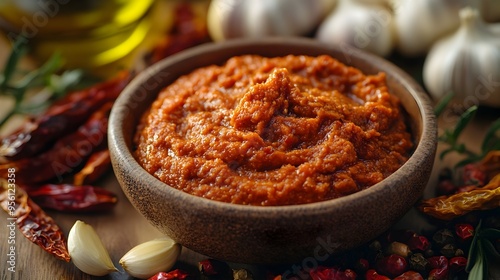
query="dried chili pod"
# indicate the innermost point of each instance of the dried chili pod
(32, 221)
(95, 167)
(70, 198)
(66, 155)
(176, 274)
(449, 207)
(60, 119)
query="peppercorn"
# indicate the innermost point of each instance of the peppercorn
(375, 245)
(214, 269)
(459, 252)
(398, 248)
(443, 237)
(242, 274)
(410, 275)
(446, 187)
(457, 264)
(372, 274)
(418, 242)
(448, 250)
(429, 253)
(418, 262)
(392, 265)
(472, 175)
(465, 232)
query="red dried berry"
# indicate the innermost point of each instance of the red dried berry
(392, 265)
(362, 265)
(212, 267)
(172, 275)
(438, 262)
(464, 232)
(457, 264)
(372, 274)
(446, 187)
(472, 175)
(410, 275)
(438, 274)
(327, 273)
(419, 242)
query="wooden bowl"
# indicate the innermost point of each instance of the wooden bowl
(274, 234)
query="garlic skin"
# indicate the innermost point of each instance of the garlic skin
(151, 257)
(87, 251)
(420, 23)
(466, 63)
(258, 18)
(359, 24)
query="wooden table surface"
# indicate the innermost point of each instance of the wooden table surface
(124, 227)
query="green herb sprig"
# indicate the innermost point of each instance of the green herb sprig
(482, 252)
(16, 83)
(450, 137)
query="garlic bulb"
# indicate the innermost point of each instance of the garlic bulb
(87, 251)
(359, 24)
(466, 63)
(149, 258)
(420, 23)
(258, 18)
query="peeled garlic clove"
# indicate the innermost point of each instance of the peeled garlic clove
(87, 251)
(466, 63)
(359, 24)
(151, 257)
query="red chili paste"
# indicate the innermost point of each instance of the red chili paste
(274, 131)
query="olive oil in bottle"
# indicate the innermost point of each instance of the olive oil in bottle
(88, 33)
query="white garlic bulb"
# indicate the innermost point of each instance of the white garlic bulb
(258, 18)
(87, 251)
(420, 23)
(466, 63)
(360, 24)
(151, 257)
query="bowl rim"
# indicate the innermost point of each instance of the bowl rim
(428, 137)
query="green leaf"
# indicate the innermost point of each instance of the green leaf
(489, 250)
(38, 76)
(63, 83)
(462, 122)
(443, 103)
(474, 249)
(491, 139)
(445, 152)
(18, 50)
(478, 269)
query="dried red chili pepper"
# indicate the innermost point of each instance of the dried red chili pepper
(449, 207)
(32, 221)
(172, 275)
(60, 119)
(71, 198)
(97, 164)
(66, 155)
